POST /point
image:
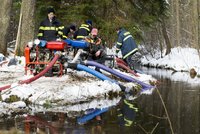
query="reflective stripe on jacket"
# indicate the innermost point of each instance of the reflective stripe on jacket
(126, 43)
(67, 33)
(83, 31)
(50, 31)
(127, 113)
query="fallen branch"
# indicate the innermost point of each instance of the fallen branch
(158, 116)
(170, 124)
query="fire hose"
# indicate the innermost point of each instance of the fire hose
(49, 66)
(95, 73)
(127, 78)
(84, 44)
(90, 116)
(89, 70)
(123, 65)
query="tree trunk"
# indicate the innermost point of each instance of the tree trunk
(177, 23)
(166, 37)
(183, 23)
(198, 10)
(5, 9)
(160, 38)
(27, 26)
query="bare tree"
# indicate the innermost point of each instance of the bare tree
(198, 10)
(177, 22)
(166, 37)
(5, 9)
(26, 25)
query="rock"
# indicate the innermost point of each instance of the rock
(193, 73)
(12, 61)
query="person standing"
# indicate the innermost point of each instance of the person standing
(50, 28)
(127, 45)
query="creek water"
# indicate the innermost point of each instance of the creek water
(146, 114)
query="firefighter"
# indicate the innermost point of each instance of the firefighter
(127, 45)
(96, 49)
(50, 29)
(84, 30)
(68, 32)
(127, 112)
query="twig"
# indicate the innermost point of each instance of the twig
(143, 129)
(158, 116)
(3, 62)
(170, 124)
(154, 128)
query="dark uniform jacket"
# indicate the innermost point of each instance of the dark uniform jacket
(95, 45)
(83, 31)
(127, 113)
(67, 33)
(50, 31)
(126, 43)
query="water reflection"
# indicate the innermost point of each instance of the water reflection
(38, 125)
(181, 96)
(117, 116)
(173, 76)
(78, 109)
(127, 112)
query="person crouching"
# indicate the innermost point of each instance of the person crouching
(96, 50)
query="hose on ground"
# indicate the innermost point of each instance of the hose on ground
(49, 66)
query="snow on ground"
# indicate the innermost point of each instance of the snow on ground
(62, 90)
(79, 86)
(70, 89)
(180, 59)
(71, 110)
